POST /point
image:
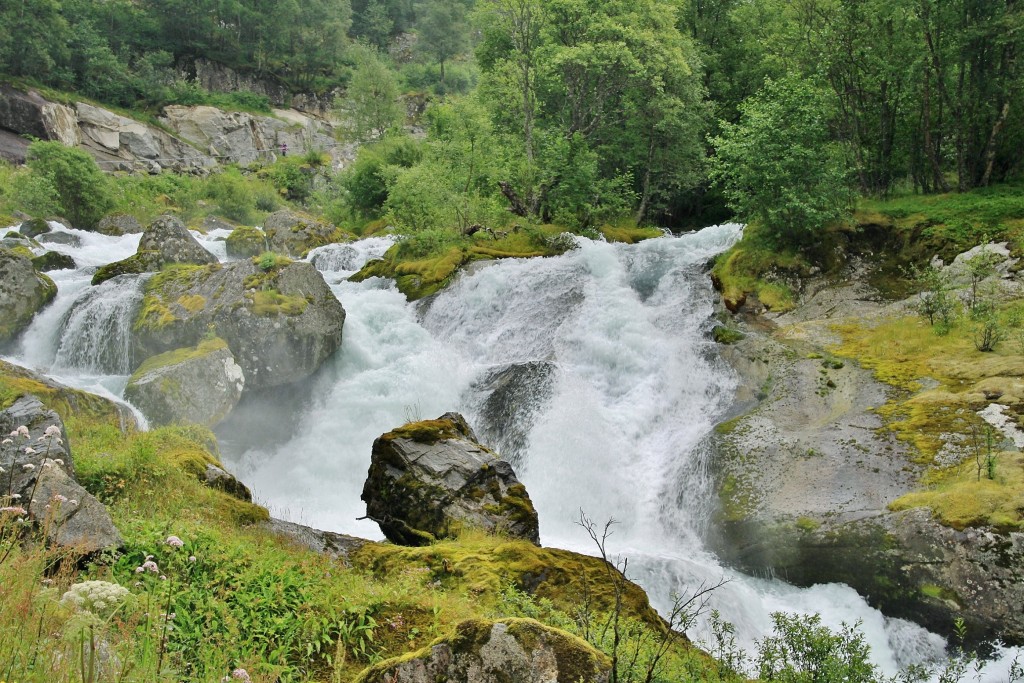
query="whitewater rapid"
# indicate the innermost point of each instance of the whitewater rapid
(617, 388)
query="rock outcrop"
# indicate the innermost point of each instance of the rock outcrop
(165, 242)
(34, 227)
(23, 291)
(480, 651)
(117, 224)
(280, 323)
(430, 480)
(334, 545)
(200, 385)
(293, 234)
(246, 242)
(39, 473)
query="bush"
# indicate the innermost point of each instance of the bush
(368, 179)
(84, 193)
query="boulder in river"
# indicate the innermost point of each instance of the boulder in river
(246, 242)
(430, 480)
(165, 242)
(34, 227)
(117, 224)
(294, 234)
(280, 319)
(196, 384)
(483, 651)
(23, 291)
(36, 457)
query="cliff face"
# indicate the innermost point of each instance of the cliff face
(190, 139)
(819, 473)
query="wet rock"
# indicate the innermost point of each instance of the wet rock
(514, 397)
(246, 242)
(34, 227)
(482, 651)
(165, 242)
(295, 234)
(23, 292)
(192, 385)
(65, 238)
(53, 260)
(430, 480)
(43, 475)
(118, 224)
(281, 323)
(28, 113)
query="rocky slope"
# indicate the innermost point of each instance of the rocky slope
(811, 470)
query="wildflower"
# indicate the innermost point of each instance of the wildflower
(60, 498)
(52, 431)
(30, 451)
(21, 431)
(47, 582)
(14, 510)
(59, 461)
(163, 577)
(241, 675)
(192, 559)
(7, 441)
(73, 501)
(148, 566)
(15, 496)
(139, 570)
(174, 542)
(98, 597)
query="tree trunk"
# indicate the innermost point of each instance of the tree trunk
(990, 148)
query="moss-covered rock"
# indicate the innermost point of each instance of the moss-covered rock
(23, 291)
(502, 651)
(34, 227)
(430, 480)
(117, 224)
(280, 324)
(53, 260)
(296, 234)
(246, 242)
(192, 385)
(165, 242)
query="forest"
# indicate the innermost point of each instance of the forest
(581, 112)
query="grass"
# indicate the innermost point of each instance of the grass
(251, 599)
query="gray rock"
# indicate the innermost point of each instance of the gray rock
(23, 292)
(429, 480)
(334, 545)
(216, 478)
(53, 260)
(192, 385)
(214, 223)
(514, 396)
(280, 324)
(65, 238)
(246, 242)
(43, 484)
(28, 113)
(481, 651)
(294, 234)
(34, 227)
(165, 242)
(118, 224)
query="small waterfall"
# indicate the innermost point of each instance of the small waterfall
(348, 258)
(95, 335)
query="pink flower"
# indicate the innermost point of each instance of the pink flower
(174, 542)
(7, 441)
(14, 510)
(148, 566)
(60, 498)
(52, 430)
(30, 451)
(192, 559)
(241, 675)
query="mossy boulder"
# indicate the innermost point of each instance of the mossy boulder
(23, 292)
(118, 224)
(431, 479)
(34, 227)
(42, 480)
(295, 234)
(53, 260)
(246, 242)
(502, 651)
(165, 242)
(199, 385)
(280, 323)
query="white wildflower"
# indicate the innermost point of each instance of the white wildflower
(21, 431)
(99, 597)
(28, 467)
(30, 451)
(174, 542)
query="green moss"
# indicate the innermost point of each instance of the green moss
(630, 234)
(133, 265)
(162, 293)
(807, 524)
(245, 242)
(726, 335)
(269, 302)
(178, 356)
(426, 431)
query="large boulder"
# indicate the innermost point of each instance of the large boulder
(295, 234)
(34, 227)
(280, 320)
(482, 651)
(36, 456)
(431, 479)
(28, 113)
(246, 242)
(118, 224)
(23, 291)
(192, 385)
(165, 242)
(53, 260)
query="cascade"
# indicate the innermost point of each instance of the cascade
(593, 372)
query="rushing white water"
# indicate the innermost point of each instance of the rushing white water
(592, 370)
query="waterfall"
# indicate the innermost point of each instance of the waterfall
(95, 335)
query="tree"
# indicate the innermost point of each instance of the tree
(443, 30)
(32, 42)
(778, 165)
(84, 192)
(371, 101)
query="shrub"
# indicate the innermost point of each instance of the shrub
(84, 193)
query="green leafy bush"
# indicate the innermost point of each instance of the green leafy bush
(83, 192)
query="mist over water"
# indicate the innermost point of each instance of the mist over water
(594, 372)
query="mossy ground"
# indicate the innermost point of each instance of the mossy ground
(939, 382)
